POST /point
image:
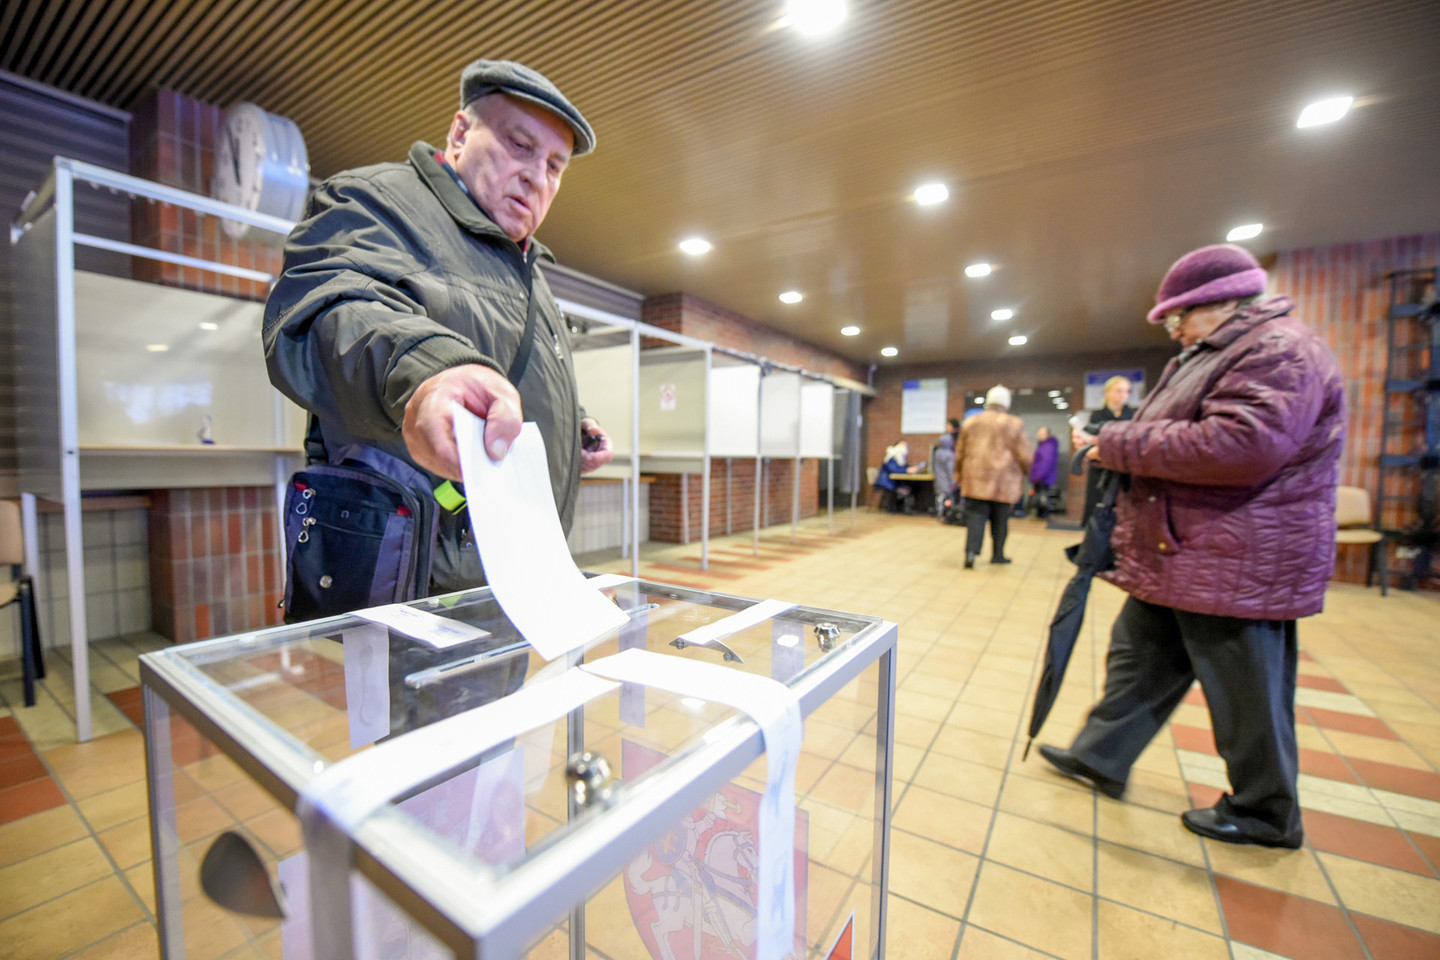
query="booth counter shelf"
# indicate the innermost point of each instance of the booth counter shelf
(501, 856)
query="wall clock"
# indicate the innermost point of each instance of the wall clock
(260, 164)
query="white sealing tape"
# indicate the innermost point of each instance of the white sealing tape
(338, 800)
(720, 629)
(776, 708)
(604, 581)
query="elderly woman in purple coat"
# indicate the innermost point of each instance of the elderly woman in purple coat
(1223, 539)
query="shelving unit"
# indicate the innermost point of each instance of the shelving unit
(1407, 506)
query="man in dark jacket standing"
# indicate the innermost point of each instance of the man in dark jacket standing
(1224, 538)
(412, 286)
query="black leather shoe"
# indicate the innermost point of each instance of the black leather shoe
(1209, 822)
(969, 561)
(999, 559)
(1066, 763)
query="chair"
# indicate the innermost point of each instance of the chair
(1352, 525)
(871, 475)
(20, 589)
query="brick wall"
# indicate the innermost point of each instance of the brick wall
(669, 496)
(214, 564)
(1341, 291)
(173, 142)
(214, 553)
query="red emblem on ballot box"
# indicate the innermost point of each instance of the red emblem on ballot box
(693, 893)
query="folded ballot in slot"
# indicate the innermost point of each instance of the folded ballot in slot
(423, 784)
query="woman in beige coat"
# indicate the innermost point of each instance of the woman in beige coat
(991, 460)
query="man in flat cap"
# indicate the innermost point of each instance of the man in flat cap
(411, 286)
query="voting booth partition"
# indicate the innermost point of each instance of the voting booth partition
(430, 787)
(132, 385)
(691, 403)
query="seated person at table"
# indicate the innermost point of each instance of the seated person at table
(900, 496)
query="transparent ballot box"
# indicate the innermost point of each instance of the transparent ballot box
(443, 798)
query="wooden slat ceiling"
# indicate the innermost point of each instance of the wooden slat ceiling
(1085, 144)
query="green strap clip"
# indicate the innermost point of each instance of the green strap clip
(449, 496)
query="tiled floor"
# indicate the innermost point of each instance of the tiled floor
(993, 856)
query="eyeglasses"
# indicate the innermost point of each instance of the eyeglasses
(1172, 322)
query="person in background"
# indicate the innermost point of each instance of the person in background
(901, 498)
(990, 461)
(1043, 471)
(1224, 537)
(1117, 392)
(944, 466)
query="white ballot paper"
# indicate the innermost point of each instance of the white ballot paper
(439, 632)
(776, 709)
(518, 534)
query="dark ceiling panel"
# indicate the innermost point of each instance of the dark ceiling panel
(1085, 144)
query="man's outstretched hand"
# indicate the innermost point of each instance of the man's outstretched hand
(429, 428)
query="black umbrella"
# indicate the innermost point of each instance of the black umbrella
(1091, 556)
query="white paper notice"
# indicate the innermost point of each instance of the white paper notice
(367, 683)
(518, 534)
(776, 709)
(422, 625)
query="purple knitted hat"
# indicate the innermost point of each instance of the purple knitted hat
(1208, 275)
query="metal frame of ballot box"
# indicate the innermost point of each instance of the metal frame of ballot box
(470, 908)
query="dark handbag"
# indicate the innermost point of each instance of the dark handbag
(359, 533)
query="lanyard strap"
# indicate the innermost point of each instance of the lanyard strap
(532, 311)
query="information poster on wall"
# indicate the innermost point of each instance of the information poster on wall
(1095, 386)
(922, 406)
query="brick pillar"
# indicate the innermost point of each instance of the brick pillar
(214, 562)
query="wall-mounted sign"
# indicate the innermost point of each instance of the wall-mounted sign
(922, 406)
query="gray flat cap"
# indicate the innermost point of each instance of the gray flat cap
(485, 77)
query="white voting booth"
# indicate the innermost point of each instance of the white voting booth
(691, 402)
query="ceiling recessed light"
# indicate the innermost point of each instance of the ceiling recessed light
(1018, 340)
(889, 351)
(929, 194)
(978, 270)
(157, 347)
(979, 401)
(1245, 233)
(1324, 111)
(1054, 393)
(814, 18)
(849, 331)
(209, 325)
(791, 296)
(1062, 406)
(1004, 313)
(695, 246)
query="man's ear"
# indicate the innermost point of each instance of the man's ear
(459, 127)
